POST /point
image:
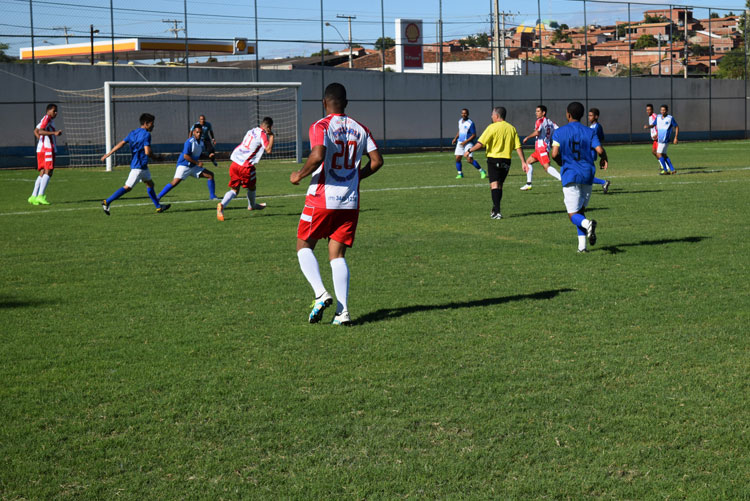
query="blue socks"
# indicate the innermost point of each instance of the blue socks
(476, 164)
(669, 162)
(152, 196)
(165, 190)
(211, 189)
(577, 219)
(458, 166)
(599, 181)
(663, 163)
(117, 194)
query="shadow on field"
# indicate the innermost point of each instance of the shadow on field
(615, 249)
(10, 302)
(388, 313)
(559, 212)
(613, 191)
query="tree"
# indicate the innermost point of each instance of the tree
(699, 50)
(732, 64)
(325, 52)
(384, 43)
(714, 15)
(4, 58)
(560, 35)
(478, 40)
(646, 41)
(654, 19)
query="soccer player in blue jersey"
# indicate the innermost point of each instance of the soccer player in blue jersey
(597, 127)
(665, 124)
(464, 140)
(188, 164)
(573, 147)
(139, 141)
(207, 139)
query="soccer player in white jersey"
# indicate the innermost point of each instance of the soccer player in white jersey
(189, 164)
(543, 129)
(651, 126)
(665, 124)
(244, 159)
(46, 149)
(464, 140)
(331, 211)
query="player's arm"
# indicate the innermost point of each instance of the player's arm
(268, 147)
(531, 136)
(375, 163)
(524, 165)
(456, 138)
(555, 153)
(186, 157)
(317, 155)
(603, 160)
(211, 134)
(41, 132)
(477, 146)
(117, 147)
(676, 131)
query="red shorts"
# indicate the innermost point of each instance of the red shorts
(316, 223)
(655, 145)
(240, 175)
(541, 155)
(45, 160)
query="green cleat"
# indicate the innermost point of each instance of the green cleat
(460, 176)
(482, 173)
(32, 201)
(42, 200)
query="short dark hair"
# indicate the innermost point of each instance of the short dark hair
(649, 105)
(268, 121)
(195, 126)
(336, 92)
(50, 106)
(500, 111)
(543, 108)
(595, 111)
(576, 110)
(665, 107)
(466, 110)
(146, 118)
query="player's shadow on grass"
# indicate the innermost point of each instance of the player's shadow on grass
(7, 302)
(630, 192)
(551, 212)
(615, 249)
(388, 313)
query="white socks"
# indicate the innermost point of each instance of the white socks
(43, 184)
(309, 266)
(553, 172)
(581, 242)
(250, 199)
(37, 184)
(340, 272)
(529, 174)
(228, 196)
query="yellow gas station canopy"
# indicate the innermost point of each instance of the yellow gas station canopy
(140, 48)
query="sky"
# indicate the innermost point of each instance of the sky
(293, 27)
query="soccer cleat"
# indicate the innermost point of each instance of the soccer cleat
(220, 212)
(32, 200)
(214, 162)
(163, 208)
(605, 187)
(42, 200)
(341, 319)
(482, 173)
(495, 215)
(318, 307)
(105, 207)
(663, 172)
(256, 207)
(583, 251)
(591, 232)
(526, 187)
(460, 175)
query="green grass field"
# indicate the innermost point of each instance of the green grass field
(166, 356)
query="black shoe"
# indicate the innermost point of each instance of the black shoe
(605, 188)
(496, 215)
(591, 232)
(105, 207)
(163, 208)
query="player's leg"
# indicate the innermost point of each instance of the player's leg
(551, 170)
(146, 177)
(482, 172)
(345, 224)
(497, 170)
(669, 163)
(168, 187)
(228, 197)
(252, 183)
(576, 198)
(661, 153)
(534, 157)
(238, 177)
(210, 182)
(458, 165)
(208, 148)
(119, 192)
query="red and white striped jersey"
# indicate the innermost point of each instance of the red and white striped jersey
(546, 127)
(652, 121)
(251, 149)
(335, 184)
(46, 143)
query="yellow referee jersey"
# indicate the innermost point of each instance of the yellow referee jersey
(500, 139)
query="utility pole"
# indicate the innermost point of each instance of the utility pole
(92, 30)
(349, 19)
(175, 29)
(499, 37)
(684, 24)
(64, 29)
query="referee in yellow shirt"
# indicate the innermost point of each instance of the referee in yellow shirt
(500, 138)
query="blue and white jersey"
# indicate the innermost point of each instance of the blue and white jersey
(466, 129)
(138, 139)
(576, 143)
(192, 148)
(599, 131)
(664, 128)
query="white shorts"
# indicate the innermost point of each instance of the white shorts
(460, 150)
(136, 176)
(662, 147)
(576, 196)
(183, 172)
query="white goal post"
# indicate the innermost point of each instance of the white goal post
(231, 107)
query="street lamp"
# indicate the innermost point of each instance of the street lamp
(92, 43)
(343, 40)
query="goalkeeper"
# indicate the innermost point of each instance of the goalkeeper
(207, 139)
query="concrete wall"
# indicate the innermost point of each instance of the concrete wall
(411, 114)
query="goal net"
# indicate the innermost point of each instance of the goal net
(97, 119)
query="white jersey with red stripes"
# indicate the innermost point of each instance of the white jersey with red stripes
(46, 143)
(545, 127)
(251, 149)
(652, 123)
(335, 184)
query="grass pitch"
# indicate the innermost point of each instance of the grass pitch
(161, 356)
